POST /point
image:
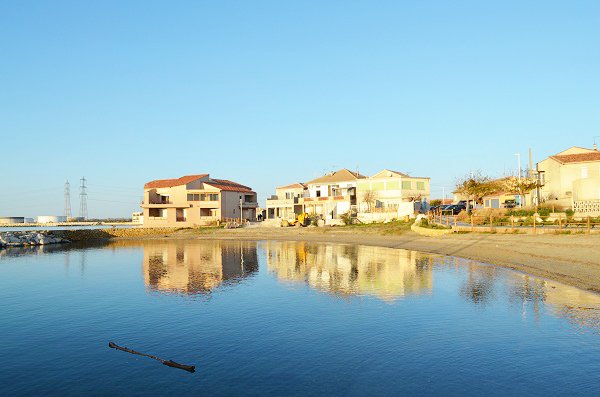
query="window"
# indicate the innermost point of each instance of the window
(213, 197)
(392, 185)
(289, 195)
(193, 197)
(377, 186)
(584, 172)
(318, 193)
(406, 185)
(157, 213)
(420, 185)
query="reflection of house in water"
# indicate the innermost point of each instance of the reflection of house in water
(577, 306)
(344, 269)
(198, 267)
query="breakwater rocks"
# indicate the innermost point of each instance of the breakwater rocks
(23, 239)
(45, 237)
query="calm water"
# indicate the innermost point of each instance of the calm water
(279, 318)
(64, 227)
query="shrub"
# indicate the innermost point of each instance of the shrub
(314, 219)
(569, 213)
(347, 218)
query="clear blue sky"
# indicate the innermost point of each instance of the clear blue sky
(271, 92)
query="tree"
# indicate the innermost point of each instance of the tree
(476, 186)
(520, 186)
(369, 197)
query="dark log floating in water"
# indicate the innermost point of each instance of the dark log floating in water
(169, 363)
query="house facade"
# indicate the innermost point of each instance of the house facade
(333, 194)
(345, 191)
(388, 191)
(572, 179)
(287, 202)
(196, 200)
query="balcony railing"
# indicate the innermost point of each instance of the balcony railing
(155, 201)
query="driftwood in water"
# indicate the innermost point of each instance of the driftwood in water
(170, 363)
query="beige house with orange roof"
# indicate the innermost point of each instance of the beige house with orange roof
(571, 178)
(195, 200)
(332, 194)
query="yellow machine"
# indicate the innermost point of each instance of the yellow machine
(299, 220)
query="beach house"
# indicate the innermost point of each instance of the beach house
(287, 202)
(571, 179)
(388, 191)
(194, 200)
(332, 194)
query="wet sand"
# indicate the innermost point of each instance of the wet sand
(570, 259)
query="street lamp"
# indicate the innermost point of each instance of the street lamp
(519, 178)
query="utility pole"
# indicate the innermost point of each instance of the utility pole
(519, 176)
(67, 201)
(83, 199)
(518, 165)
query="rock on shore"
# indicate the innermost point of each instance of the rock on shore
(37, 237)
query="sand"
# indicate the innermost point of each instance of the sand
(569, 259)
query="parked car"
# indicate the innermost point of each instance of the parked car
(510, 203)
(454, 209)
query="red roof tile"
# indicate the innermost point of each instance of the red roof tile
(230, 186)
(162, 183)
(577, 158)
(297, 185)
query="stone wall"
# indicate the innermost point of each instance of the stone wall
(98, 234)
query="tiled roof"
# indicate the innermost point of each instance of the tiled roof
(298, 185)
(577, 158)
(343, 175)
(162, 183)
(226, 185)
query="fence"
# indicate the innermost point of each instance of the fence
(512, 223)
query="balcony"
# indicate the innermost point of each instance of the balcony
(327, 198)
(275, 201)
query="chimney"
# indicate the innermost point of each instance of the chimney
(595, 146)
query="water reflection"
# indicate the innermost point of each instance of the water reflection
(487, 284)
(348, 270)
(197, 267)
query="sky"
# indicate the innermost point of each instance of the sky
(267, 93)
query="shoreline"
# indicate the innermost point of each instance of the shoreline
(570, 259)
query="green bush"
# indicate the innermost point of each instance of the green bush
(569, 213)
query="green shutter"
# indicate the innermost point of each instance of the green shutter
(377, 186)
(406, 185)
(393, 185)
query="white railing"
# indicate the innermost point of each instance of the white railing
(586, 206)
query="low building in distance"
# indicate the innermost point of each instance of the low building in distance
(385, 195)
(571, 178)
(195, 200)
(51, 219)
(137, 217)
(9, 220)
